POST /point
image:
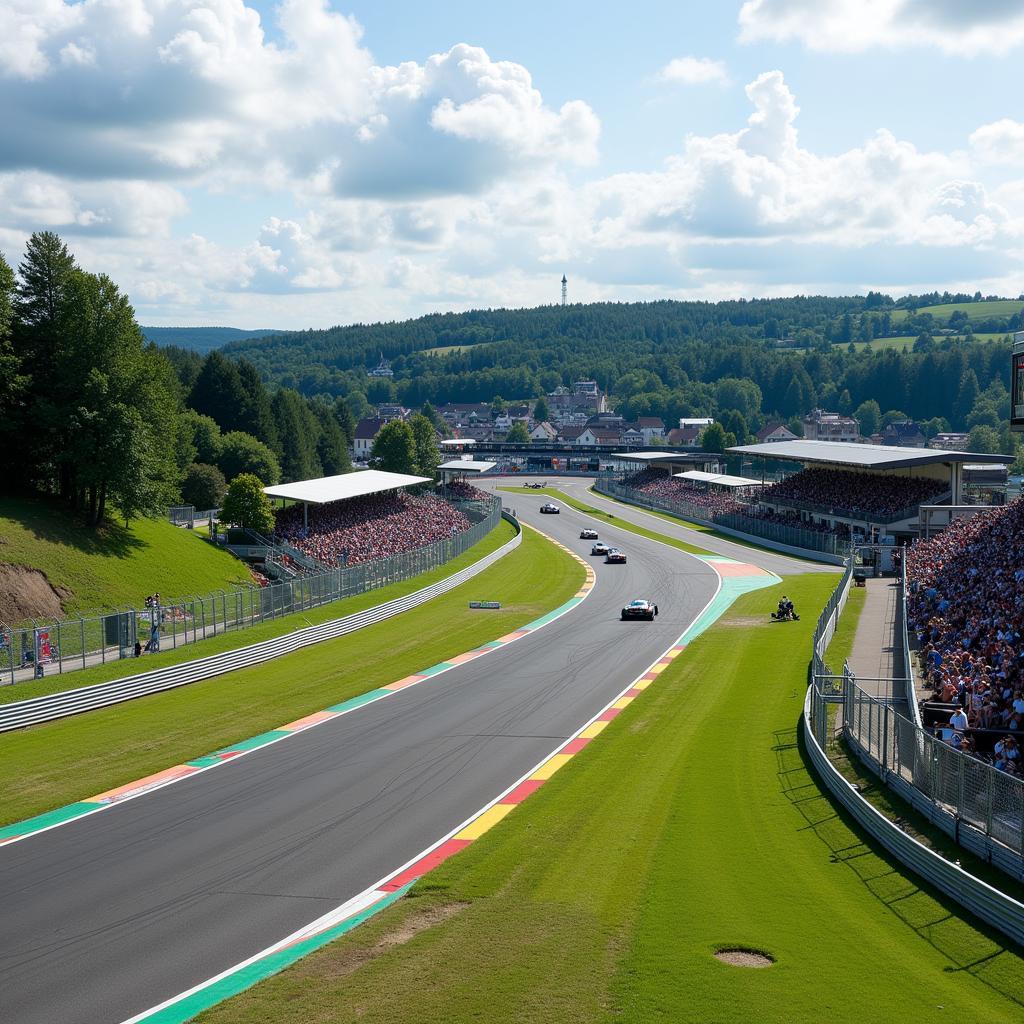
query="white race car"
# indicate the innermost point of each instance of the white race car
(599, 548)
(550, 509)
(588, 534)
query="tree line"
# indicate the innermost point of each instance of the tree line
(93, 415)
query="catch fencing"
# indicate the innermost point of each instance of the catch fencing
(24, 713)
(42, 647)
(750, 526)
(980, 807)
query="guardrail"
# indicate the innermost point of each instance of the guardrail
(867, 716)
(43, 646)
(88, 698)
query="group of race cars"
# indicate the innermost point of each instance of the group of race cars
(637, 609)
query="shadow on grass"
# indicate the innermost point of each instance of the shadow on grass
(48, 520)
(968, 943)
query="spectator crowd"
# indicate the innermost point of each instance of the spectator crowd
(966, 606)
(855, 495)
(370, 527)
(461, 491)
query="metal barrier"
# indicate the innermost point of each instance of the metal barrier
(749, 526)
(906, 669)
(88, 698)
(981, 811)
(41, 647)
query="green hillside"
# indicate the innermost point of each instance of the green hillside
(974, 310)
(93, 570)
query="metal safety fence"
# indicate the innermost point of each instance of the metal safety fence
(20, 714)
(42, 647)
(751, 526)
(979, 807)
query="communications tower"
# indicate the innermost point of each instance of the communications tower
(565, 285)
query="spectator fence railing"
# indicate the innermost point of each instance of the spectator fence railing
(856, 514)
(780, 533)
(980, 807)
(903, 645)
(41, 647)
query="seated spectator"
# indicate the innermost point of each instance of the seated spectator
(966, 606)
(870, 496)
(370, 527)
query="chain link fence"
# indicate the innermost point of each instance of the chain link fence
(41, 647)
(780, 533)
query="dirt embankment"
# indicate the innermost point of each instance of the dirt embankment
(27, 594)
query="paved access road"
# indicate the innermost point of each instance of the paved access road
(113, 913)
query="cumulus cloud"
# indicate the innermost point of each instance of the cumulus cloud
(695, 71)
(954, 26)
(1001, 142)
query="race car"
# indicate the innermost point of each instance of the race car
(615, 556)
(588, 534)
(640, 609)
(599, 548)
(549, 508)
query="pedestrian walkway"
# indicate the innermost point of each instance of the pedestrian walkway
(873, 659)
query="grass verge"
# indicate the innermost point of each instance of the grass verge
(693, 823)
(501, 534)
(68, 760)
(611, 518)
(113, 565)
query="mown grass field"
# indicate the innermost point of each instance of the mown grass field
(64, 761)
(974, 310)
(113, 565)
(501, 534)
(692, 824)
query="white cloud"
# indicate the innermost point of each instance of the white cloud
(961, 27)
(695, 71)
(1001, 142)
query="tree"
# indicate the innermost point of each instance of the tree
(394, 448)
(203, 487)
(299, 432)
(332, 445)
(218, 393)
(894, 416)
(869, 416)
(436, 419)
(241, 453)
(983, 439)
(743, 395)
(966, 397)
(428, 456)
(541, 412)
(715, 439)
(346, 421)
(255, 415)
(518, 434)
(205, 437)
(247, 506)
(15, 382)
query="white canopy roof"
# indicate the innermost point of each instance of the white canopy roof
(719, 479)
(860, 456)
(455, 442)
(326, 489)
(466, 466)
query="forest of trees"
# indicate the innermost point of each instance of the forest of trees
(670, 359)
(104, 421)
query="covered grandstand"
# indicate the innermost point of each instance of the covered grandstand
(360, 517)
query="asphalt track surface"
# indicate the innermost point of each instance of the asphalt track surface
(116, 912)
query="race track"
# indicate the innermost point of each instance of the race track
(113, 913)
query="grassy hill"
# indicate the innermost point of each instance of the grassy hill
(88, 571)
(203, 339)
(974, 310)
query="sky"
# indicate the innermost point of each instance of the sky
(305, 163)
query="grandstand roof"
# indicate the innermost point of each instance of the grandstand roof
(719, 479)
(663, 456)
(859, 456)
(467, 466)
(326, 489)
(453, 442)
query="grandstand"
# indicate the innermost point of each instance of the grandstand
(966, 608)
(360, 517)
